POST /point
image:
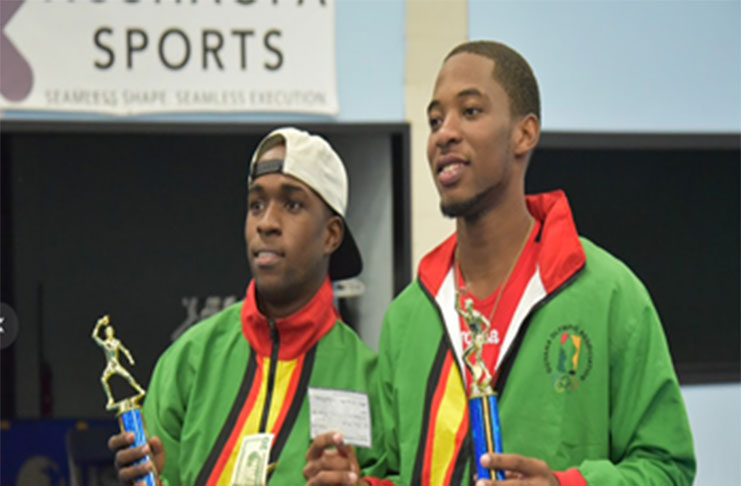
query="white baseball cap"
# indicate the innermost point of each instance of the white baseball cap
(310, 159)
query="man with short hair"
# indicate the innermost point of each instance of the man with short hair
(248, 369)
(587, 391)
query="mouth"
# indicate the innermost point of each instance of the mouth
(450, 169)
(266, 257)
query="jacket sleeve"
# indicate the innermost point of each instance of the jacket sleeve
(164, 409)
(371, 460)
(387, 472)
(651, 442)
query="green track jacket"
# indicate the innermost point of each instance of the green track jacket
(234, 374)
(586, 381)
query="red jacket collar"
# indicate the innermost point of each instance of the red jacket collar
(561, 254)
(298, 332)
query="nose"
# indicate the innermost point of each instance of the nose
(448, 132)
(268, 221)
(444, 137)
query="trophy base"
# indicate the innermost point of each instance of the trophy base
(486, 432)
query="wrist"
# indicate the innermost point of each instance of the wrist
(373, 481)
(570, 477)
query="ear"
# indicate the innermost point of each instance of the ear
(526, 135)
(335, 232)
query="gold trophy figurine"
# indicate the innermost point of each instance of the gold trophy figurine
(111, 347)
(129, 413)
(479, 327)
(482, 399)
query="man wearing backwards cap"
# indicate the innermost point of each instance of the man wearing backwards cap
(247, 370)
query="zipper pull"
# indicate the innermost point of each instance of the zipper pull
(273, 332)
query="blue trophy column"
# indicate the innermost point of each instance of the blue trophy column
(130, 420)
(486, 432)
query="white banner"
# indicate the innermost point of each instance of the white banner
(147, 56)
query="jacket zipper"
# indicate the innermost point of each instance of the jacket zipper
(274, 337)
(509, 357)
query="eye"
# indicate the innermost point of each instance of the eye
(255, 206)
(471, 111)
(434, 122)
(293, 206)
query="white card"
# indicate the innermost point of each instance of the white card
(345, 411)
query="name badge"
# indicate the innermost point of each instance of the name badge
(251, 468)
(344, 411)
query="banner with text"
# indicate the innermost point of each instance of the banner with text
(147, 56)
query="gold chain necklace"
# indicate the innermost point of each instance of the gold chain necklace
(462, 288)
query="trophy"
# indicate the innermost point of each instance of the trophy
(128, 409)
(482, 401)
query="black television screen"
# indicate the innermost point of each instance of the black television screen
(667, 206)
(145, 222)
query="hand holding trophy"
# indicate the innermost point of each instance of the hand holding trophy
(128, 409)
(482, 402)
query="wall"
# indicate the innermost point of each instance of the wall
(432, 28)
(715, 418)
(615, 65)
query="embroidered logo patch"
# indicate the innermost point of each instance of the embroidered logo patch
(568, 357)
